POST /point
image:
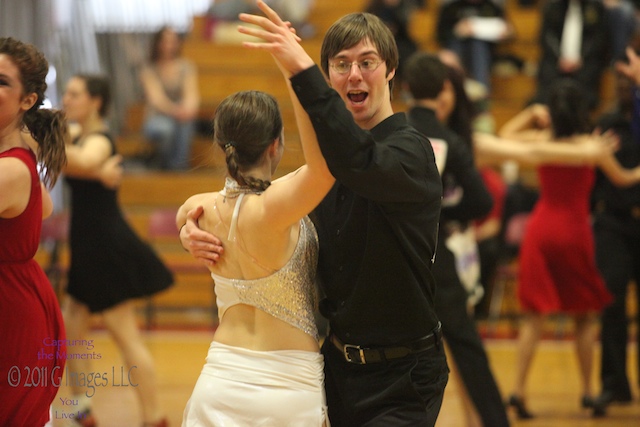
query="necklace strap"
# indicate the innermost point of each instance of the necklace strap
(234, 219)
(232, 189)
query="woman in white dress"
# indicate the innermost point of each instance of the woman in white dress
(263, 367)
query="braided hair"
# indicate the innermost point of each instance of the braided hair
(245, 125)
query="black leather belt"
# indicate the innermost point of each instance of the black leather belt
(632, 212)
(363, 355)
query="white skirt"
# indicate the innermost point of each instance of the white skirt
(242, 387)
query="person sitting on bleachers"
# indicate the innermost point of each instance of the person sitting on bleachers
(574, 42)
(170, 84)
(472, 28)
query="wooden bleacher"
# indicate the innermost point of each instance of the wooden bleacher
(224, 69)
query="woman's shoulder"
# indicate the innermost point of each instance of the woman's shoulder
(200, 199)
(15, 178)
(16, 164)
(19, 154)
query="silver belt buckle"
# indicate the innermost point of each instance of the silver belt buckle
(347, 356)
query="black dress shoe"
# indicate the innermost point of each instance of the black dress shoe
(517, 403)
(599, 406)
(587, 402)
(607, 397)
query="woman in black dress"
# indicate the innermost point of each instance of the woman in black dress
(110, 265)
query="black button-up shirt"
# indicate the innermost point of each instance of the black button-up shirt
(607, 196)
(459, 171)
(378, 224)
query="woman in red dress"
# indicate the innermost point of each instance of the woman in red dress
(31, 327)
(557, 270)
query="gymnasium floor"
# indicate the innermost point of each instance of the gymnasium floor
(179, 354)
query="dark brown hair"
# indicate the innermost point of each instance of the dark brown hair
(245, 125)
(47, 127)
(464, 112)
(350, 30)
(425, 75)
(98, 87)
(155, 43)
(568, 109)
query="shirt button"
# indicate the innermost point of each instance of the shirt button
(340, 268)
(337, 232)
(342, 198)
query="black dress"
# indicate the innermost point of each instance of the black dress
(109, 262)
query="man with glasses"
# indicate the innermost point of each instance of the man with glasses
(384, 361)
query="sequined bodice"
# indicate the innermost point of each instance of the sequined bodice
(288, 294)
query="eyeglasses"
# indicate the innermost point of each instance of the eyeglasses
(365, 66)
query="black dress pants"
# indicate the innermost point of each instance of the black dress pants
(618, 258)
(464, 341)
(402, 392)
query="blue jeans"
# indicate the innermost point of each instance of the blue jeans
(476, 57)
(172, 139)
(622, 24)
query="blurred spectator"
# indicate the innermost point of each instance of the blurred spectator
(575, 43)
(296, 12)
(170, 84)
(621, 17)
(222, 20)
(471, 28)
(223, 17)
(396, 14)
(228, 10)
(477, 93)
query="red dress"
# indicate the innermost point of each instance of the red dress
(31, 326)
(557, 270)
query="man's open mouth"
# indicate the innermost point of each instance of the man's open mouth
(357, 96)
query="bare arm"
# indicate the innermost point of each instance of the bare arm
(288, 200)
(111, 172)
(531, 124)
(85, 161)
(618, 175)
(586, 151)
(300, 192)
(47, 202)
